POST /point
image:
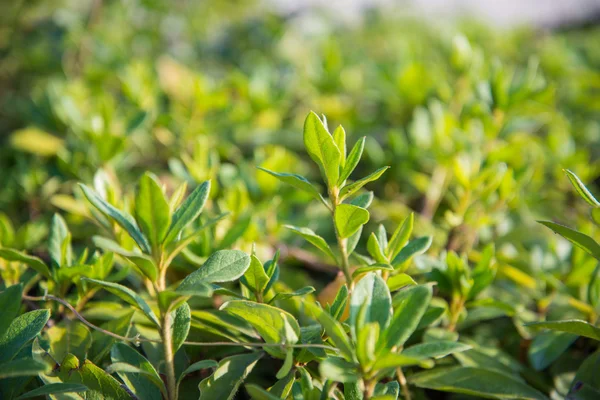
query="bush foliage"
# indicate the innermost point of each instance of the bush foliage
(176, 223)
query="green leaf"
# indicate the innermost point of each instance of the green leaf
(297, 181)
(413, 248)
(333, 328)
(352, 160)
(34, 262)
(22, 367)
(354, 187)
(128, 296)
(255, 277)
(197, 366)
(269, 322)
(352, 391)
(258, 393)
(581, 189)
(409, 306)
(53, 389)
(59, 246)
(387, 391)
(574, 326)
(372, 293)
(283, 387)
(349, 218)
(313, 239)
(287, 364)
(577, 238)
(152, 210)
(145, 383)
(585, 385)
(338, 370)
(181, 325)
(102, 343)
(375, 250)
(366, 342)
(288, 295)
(142, 261)
(547, 347)
(476, 382)
(339, 137)
(321, 148)
(339, 303)
(400, 237)
(10, 304)
(437, 349)
(221, 266)
(370, 268)
(69, 336)
(21, 330)
(225, 381)
(169, 300)
(100, 384)
(124, 220)
(188, 211)
(395, 360)
(399, 281)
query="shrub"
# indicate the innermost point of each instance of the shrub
(211, 250)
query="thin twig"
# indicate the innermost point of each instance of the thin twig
(137, 339)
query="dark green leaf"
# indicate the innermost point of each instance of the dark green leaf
(124, 220)
(577, 238)
(188, 211)
(297, 181)
(547, 347)
(128, 296)
(145, 383)
(142, 261)
(225, 381)
(574, 326)
(409, 306)
(221, 266)
(313, 239)
(53, 389)
(21, 330)
(476, 382)
(372, 293)
(181, 325)
(22, 367)
(339, 370)
(10, 304)
(34, 262)
(437, 349)
(413, 248)
(197, 366)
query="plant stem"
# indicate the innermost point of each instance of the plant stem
(167, 339)
(342, 242)
(137, 339)
(403, 384)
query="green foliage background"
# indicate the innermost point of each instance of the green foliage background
(476, 125)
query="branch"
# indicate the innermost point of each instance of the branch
(136, 340)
